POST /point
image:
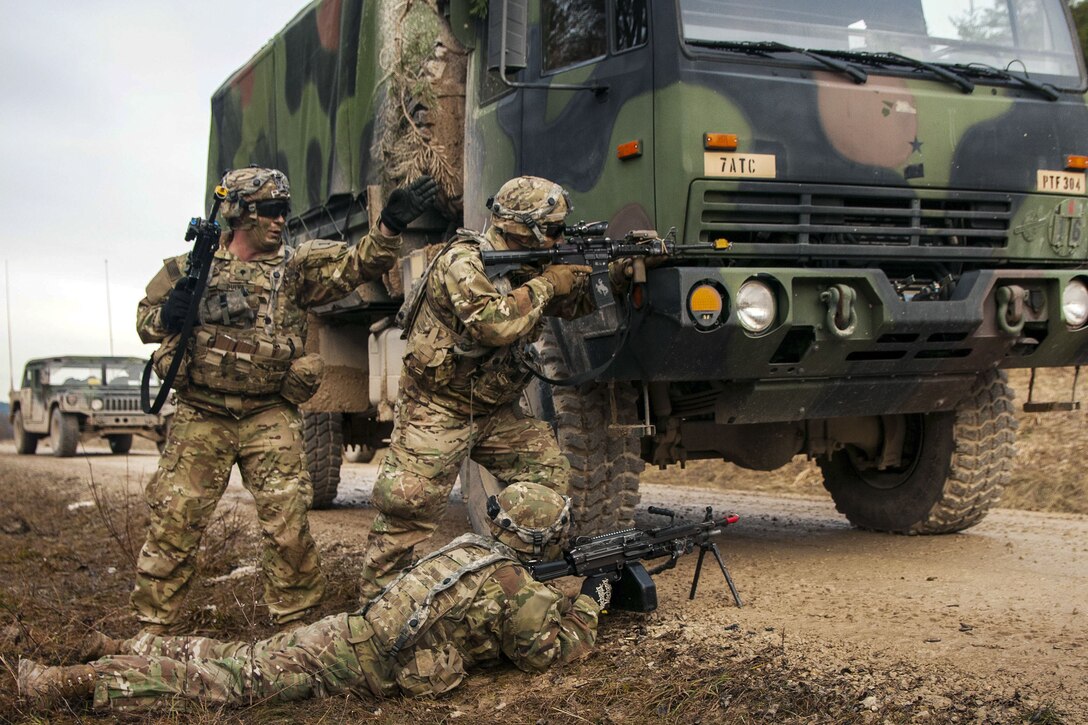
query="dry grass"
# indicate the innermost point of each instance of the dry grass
(61, 580)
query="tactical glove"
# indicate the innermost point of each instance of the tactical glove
(177, 306)
(599, 589)
(564, 276)
(407, 203)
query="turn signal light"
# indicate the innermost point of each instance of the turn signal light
(720, 141)
(629, 150)
(705, 305)
(1074, 162)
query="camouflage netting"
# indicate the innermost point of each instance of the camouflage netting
(421, 124)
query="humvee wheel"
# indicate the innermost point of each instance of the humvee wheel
(955, 465)
(359, 454)
(605, 464)
(120, 443)
(324, 447)
(25, 443)
(63, 433)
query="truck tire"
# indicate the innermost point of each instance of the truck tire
(120, 443)
(955, 466)
(63, 433)
(605, 464)
(25, 443)
(324, 447)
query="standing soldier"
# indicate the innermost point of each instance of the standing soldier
(244, 375)
(469, 603)
(464, 371)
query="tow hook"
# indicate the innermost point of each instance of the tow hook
(1010, 308)
(842, 318)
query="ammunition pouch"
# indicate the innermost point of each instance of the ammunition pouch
(253, 364)
(230, 308)
(432, 671)
(303, 378)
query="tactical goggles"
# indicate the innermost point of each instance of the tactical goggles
(272, 208)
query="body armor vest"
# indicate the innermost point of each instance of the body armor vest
(442, 357)
(251, 328)
(414, 601)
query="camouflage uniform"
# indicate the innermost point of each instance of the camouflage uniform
(238, 392)
(460, 384)
(491, 609)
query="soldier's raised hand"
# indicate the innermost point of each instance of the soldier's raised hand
(407, 203)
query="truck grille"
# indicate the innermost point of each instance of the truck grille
(123, 405)
(855, 216)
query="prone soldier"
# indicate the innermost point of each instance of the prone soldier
(471, 602)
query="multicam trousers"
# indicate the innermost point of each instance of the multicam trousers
(428, 445)
(318, 660)
(183, 493)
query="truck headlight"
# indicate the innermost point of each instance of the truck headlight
(1075, 303)
(71, 399)
(755, 305)
(96, 404)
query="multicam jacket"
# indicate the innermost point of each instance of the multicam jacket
(246, 347)
(467, 346)
(468, 603)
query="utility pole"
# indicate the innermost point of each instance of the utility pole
(7, 306)
(109, 311)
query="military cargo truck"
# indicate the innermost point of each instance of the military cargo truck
(894, 193)
(71, 397)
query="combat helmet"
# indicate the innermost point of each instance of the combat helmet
(531, 519)
(527, 206)
(249, 185)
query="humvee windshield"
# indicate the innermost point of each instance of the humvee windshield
(111, 374)
(1022, 36)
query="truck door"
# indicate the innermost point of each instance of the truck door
(589, 92)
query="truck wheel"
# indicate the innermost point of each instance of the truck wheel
(359, 454)
(955, 466)
(25, 443)
(120, 443)
(63, 433)
(324, 448)
(605, 464)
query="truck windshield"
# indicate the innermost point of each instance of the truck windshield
(1032, 37)
(118, 375)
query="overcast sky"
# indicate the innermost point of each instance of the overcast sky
(104, 129)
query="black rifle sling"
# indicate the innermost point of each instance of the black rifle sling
(179, 353)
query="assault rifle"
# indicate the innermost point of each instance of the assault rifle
(205, 237)
(618, 555)
(585, 244)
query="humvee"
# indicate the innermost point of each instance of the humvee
(69, 398)
(895, 194)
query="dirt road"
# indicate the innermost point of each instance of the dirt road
(996, 614)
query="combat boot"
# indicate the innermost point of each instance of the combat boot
(97, 645)
(45, 686)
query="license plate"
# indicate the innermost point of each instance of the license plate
(749, 166)
(1059, 182)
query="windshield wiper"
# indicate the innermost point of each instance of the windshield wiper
(770, 46)
(888, 58)
(988, 71)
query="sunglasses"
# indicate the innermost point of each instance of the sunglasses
(273, 208)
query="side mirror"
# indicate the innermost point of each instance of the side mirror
(508, 29)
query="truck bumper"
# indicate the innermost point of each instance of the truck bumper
(896, 355)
